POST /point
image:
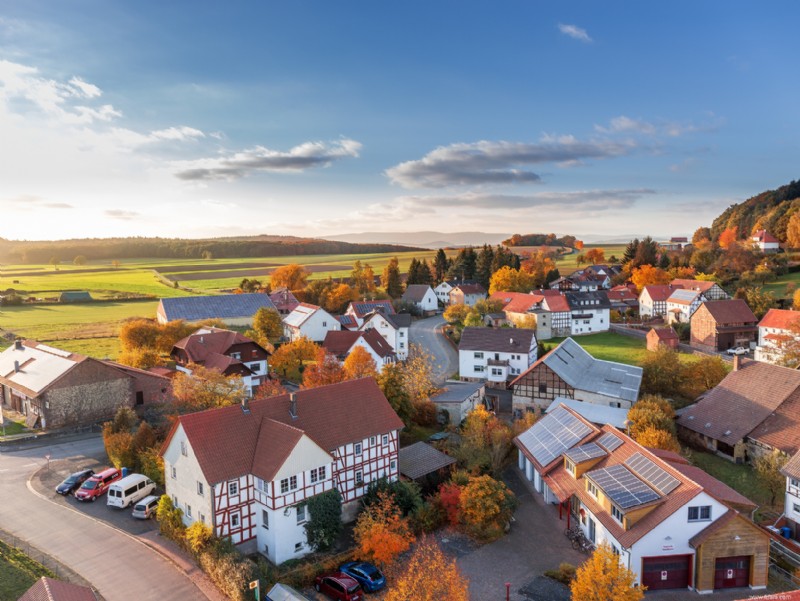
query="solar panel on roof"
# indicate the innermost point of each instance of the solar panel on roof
(655, 476)
(585, 452)
(558, 431)
(609, 442)
(622, 487)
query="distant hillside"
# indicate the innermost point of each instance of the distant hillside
(42, 251)
(424, 239)
(769, 210)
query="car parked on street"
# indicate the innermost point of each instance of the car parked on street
(339, 586)
(739, 350)
(146, 508)
(129, 490)
(73, 481)
(367, 575)
(97, 485)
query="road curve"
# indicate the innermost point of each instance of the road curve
(428, 334)
(118, 566)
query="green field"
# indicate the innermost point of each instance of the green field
(567, 263)
(18, 572)
(611, 346)
(741, 478)
(778, 287)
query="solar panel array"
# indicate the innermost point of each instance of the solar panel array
(585, 452)
(652, 474)
(609, 442)
(558, 431)
(622, 487)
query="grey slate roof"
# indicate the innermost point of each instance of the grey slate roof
(580, 370)
(456, 392)
(597, 299)
(225, 306)
(597, 414)
(421, 459)
(498, 340)
(415, 292)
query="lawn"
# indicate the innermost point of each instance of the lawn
(778, 287)
(12, 427)
(567, 263)
(18, 572)
(741, 478)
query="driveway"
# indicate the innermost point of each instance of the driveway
(428, 334)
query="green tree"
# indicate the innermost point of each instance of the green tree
(267, 326)
(407, 495)
(757, 299)
(55, 262)
(324, 523)
(392, 383)
(483, 266)
(768, 470)
(662, 372)
(440, 266)
(390, 280)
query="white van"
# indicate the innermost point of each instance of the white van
(129, 490)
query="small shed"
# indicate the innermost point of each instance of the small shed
(75, 296)
(424, 464)
(657, 337)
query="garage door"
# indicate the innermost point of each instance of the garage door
(730, 572)
(671, 571)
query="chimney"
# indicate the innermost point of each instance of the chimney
(18, 344)
(245, 405)
(16, 366)
(737, 362)
(292, 405)
(202, 340)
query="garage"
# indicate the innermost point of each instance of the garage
(673, 571)
(732, 572)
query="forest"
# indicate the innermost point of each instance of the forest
(770, 210)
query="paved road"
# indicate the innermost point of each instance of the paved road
(117, 565)
(428, 334)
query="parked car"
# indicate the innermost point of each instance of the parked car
(339, 586)
(367, 575)
(129, 490)
(146, 508)
(739, 350)
(73, 481)
(97, 485)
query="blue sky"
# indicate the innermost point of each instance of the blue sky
(319, 118)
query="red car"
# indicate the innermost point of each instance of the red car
(97, 485)
(339, 586)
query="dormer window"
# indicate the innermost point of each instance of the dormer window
(591, 488)
(616, 513)
(569, 465)
(236, 355)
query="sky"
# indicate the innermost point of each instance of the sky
(314, 118)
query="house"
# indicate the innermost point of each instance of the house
(723, 324)
(555, 316)
(283, 299)
(518, 306)
(341, 343)
(623, 299)
(348, 322)
(55, 388)
(755, 409)
(662, 337)
(791, 504)
(230, 353)
(443, 291)
(358, 310)
(309, 321)
(671, 524)
(467, 294)
(495, 355)
(682, 304)
(232, 309)
(422, 296)
(775, 329)
(590, 312)
(289, 448)
(50, 589)
(394, 327)
(456, 399)
(766, 242)
(75, 296)
(711, 290)
(653, 300)
(589, 279)
(568, 371)
(495, 320)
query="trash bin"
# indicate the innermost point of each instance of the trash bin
(125, 473)
(786, 532)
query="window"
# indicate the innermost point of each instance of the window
(479, 368)
(402, 335)
(402, 345)
(317, 474)
(372, 441)
(202, 518)
(262, 485)
(183, 448)
(542, 388)
(292, 482)
(324, 324)
(357, 448)
(236, 355)
(795, 507)
(570, 466)
(321, 472)
(284, 486)
(794, 483)
(496, 371)
(616, 513)
(478, 355)
(359, 478)
(200, 488)
(393, 465)
(233, 488)
(701, 513)
(591, 488)
(188, 511)
(301, 514)
(265, 519)
(175, 501)
(236, 520)
(385, 439)
(298, 547)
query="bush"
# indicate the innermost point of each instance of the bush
(424, 413)
(407, 495)
(325, 522)
(170, 520)
(428, 517)
(565, 573)
(230, 572)
(198, 536)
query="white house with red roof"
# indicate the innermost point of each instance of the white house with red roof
(765, 241)
(341, 344)
(393, 327)
(309, 321)
(288, 448)
(653, 299)
(682, 304)
(774, 330)
(671, 524)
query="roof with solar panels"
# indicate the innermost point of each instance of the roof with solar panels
(577, 458)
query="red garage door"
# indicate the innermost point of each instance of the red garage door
(672, 571)
(730, 572)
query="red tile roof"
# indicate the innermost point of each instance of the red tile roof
(284, 300)
(659, 292)
(665, 333)
(765, 236)
(557, 303)
(517, 302)
(670, 456)
(781, 429)
(338, 343)
(50, 589)
(698, 285)
(717, 489)
(792, 467)
(377, 342)
(730, 311)
(781, 319)
(471, 288)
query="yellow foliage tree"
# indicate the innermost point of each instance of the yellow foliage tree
(381, 532)
(486, 507)
(647, 275)
(655, 438)
(456, 314)
(289, 358)
(418, 373)
(507, 279)
(293, 276)
(429, 575)
(793, 231)
(206, 388)
(360, 364)
(595, 256)
(604, 578)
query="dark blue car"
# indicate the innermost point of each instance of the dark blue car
(73, 481)
(367, 575)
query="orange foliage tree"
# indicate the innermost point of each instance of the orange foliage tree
(647, 275)
(206, 388)
(654, 438)
(271, 387)
(293, 276)
(486, 507)
(449, 499)
(727, 237)
(429, 575)
(595, 256)
(289, 358)
(602, 578)
(360, 364)
(381, 532)
(325, 370)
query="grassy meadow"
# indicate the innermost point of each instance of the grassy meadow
(18, 572)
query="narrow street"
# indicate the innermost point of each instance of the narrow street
(428, 334)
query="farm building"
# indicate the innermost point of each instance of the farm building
(233, 309)
(75, 296)
(660, 337)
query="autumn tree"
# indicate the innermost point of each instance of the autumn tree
(418, 373)
(206, 388)
(292, 276)
(390, 280)
(655, 438)
(271, 387)
(325, 370)
(392, 383)
(486, 507)
(767, 467)
(507, 279)
(662, 372)
(604, 578)
(651, 411)
(141, 358)
(381, 533)
(647, 275)
(267, 326)
(595, 256)
(702, 374)
(289, 360)
(360, 364)
(537, 265)
(79, 260)
(456, 314)
(727, 237)
(700, 234)
(363, 278)
(429, 575)
(485, 444)
(757, 299)
(793, 231)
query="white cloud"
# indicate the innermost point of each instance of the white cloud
(121, 214)
(177, 133)
(575, 200)
(574, 32)
(87, 90)
(623, 124)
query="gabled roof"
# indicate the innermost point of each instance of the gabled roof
(764, 236)
(361, 308)
(781, 429)
(471, 288)
(792, 467)
(730, 311)
(664, 333)
(742, 401)
(683, 296)
(555, 301)
(595, 299)
(206, 342)
(300, 314)
(716, 488)
(324, 414)
(622, 294)
(223, 306)
(517, 302)
(348, 321)
(378, 343)
(697, 285)
(420, 459)
(497, 340)
(594, 413)
(283, 299)
(32, 367)
(416, 292)
(50, 589)
(457, 392)
(339, 344)
(781, 319)
(580, 370)
(75, 296)
(396, 320)
(659, 292)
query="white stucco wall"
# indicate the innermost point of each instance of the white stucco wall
(184, 484)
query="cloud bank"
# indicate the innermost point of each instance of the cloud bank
(575, 32)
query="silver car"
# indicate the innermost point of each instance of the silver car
(145, 508)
